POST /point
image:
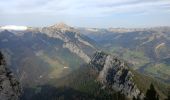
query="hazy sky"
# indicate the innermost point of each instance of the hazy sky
(87, 13)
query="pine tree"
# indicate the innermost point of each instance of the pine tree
(1, 58)
(168, 96)
(151, 94)
(138, 98)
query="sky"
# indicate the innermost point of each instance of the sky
(86, 13)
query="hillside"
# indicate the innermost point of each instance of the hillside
(59, 62)
(106, 77)
(39, 54)
(144, 48)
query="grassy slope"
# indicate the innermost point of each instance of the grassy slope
(158, 69)
(80, 84)
(143, 83)
(137, 58)
(83, 80)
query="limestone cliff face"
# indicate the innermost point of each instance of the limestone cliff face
(71, 38)
(114, 74)
(9, 86)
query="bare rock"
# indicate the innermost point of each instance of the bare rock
(9, 87)
(115, 74)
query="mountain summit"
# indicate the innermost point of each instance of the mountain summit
(61, 26)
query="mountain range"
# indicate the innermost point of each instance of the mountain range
(44, 53)
(69, 63)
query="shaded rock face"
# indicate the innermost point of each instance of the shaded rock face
(9, 86)
(114, 74)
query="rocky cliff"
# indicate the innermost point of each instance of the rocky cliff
(115, 74)
(72, 39)
(9, 86)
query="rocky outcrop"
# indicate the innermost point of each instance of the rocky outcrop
(9, 86)
(75, 49)
(115, 74)
(71, 38)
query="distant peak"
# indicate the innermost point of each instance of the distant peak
(60, 26)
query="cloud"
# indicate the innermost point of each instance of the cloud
(13, 27)
(86, 6)
(82, 8)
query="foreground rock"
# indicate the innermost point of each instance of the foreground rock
(9, 86)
